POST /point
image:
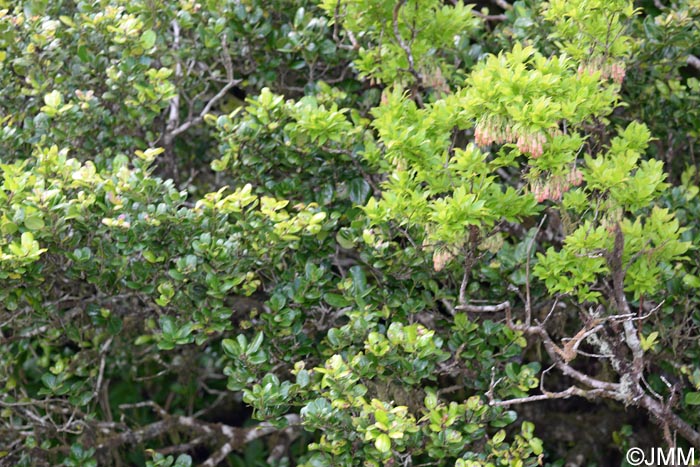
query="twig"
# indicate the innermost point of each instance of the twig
(528, 303)
(503, 4)
(657, 409)
(449, 306)
(555, 353)
(238, 437)
(572, 391)
(469, 261)
(100, 374)
(170, 135)
(489, 17)
(183, 447)
(463, 286)
(551, 310)
(402, 43)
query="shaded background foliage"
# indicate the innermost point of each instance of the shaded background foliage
(332, 306)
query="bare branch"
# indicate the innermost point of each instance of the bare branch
(463, 285)
(138, 436)
(226, 57)
(469, 260)
(484, 308)
(694, 62)
(664, 415)
(528, 303)
(235, 437)
(183, 447)
(100, 374)
(174, 117)
(503, 4)
(402, 43)
(556, 353)
(618, 275)
(489, 17)
(449, 306)
(238, 437)
(572, 391)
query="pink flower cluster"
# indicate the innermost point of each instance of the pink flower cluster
(531, 144)
(500, 132)
(440, 259)
(555, 187)
(615, 71)
(493, 131)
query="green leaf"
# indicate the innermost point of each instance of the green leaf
(359, 279)
(50, 381)
(649, 341)
(34, 223)
(83, 54)
(536, 446)
(175, 274)
(499, 437)
(114, 325)
(167, 324)
(691, 281)
(335, 300)
(254, 345)
(383, 443)
(148, 39)
(359, 191)
(231, 348)
(27, 241)
(303, 378)
(183, 460)
(344, 239)
(692, 398)
(506, 419)
(35, 7)
(53, 99)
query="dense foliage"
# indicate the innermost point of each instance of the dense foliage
(348, 233)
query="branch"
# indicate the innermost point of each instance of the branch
(629, 389)
(489, 17)
(189, 446)
(618, 274)
(336, 27)
(402, 43)
(665, 416)
(238, 437)
(235, 437)
(469, 260)
(555, 353)
(694, 62)
(571, 347)
(170, 135)
(528, 303)
(101, 372)
(503, 4)
(615, 391)
(484, 308)
(138, 436)
(200, 118)
(174, 117)
(572, 391)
